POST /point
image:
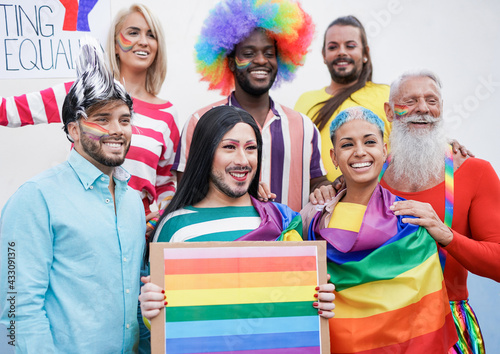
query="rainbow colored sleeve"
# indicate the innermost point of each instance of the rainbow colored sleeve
(249, 300)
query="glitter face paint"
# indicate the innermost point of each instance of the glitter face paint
(93, 131)
(124, 44)
(400, 109)
(242, 64)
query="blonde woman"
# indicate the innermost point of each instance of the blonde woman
(137, 55)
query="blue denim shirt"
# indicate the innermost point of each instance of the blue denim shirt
(76, 261)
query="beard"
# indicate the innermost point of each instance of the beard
(217, 178)
(94, 150)
(344, 77)
(241, 77)
(418, 155)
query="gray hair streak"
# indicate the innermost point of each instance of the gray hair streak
(396, 84)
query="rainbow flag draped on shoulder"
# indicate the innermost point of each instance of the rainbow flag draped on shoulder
(390, 292)
(278, 223)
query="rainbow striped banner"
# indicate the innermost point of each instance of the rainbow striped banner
(239, 297)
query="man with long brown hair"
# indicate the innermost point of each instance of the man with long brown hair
(347, 56)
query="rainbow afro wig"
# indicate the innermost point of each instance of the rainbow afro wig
(231, 21)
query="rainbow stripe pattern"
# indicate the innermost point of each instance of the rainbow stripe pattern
(449, 188)
(241, 299)
(391, 297)
(469, 334)
(93, 130)
(124, 43)
(400, 109)
(241, 64)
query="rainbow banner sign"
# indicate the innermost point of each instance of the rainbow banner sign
(239, 297)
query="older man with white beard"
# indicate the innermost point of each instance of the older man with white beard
(464, 192)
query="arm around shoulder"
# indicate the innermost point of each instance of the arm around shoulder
(41, 107)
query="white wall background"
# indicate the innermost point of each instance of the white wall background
(458, 39)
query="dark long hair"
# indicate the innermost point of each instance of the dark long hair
(208, 133)
(322, 117)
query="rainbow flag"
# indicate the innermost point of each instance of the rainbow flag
(390, 298)
(241, 299)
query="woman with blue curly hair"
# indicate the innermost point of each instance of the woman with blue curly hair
(390, 292)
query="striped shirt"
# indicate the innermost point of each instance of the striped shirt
(191, 224)
(154, 137)
(290, 153)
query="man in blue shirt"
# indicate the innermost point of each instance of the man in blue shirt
(72, 238)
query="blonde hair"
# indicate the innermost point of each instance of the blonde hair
(158, 70)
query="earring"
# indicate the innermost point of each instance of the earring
(365, 59)
(336, 167)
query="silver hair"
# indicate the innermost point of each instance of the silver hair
(396, 84)
(94, 84)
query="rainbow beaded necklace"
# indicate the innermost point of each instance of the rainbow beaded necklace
(448, 184)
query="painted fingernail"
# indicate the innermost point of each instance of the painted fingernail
(316, 295)
(163, 291)
(164, 297)
(317, 288)
(166, 303)
(320, 312)
(315, 304)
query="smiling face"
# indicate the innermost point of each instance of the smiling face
(359, 151)
(255, 64)
(417, 104)
(234, 164)
(343, 53)
(136, 45)
(104, 137)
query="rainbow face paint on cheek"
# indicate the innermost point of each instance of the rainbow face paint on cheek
(124, 44)
(93, 131)
(241, 64)
(400, 109)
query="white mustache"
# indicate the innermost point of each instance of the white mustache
(419, 118)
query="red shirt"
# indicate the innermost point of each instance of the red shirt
(476, 224)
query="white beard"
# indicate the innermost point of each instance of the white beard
(418, 156)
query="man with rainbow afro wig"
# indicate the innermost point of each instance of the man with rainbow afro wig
(245, 47)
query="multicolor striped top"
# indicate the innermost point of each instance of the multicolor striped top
(259, 222)
(290, 153)
(191, 224)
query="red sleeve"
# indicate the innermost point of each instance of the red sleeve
(480, 254)
(34, 108)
